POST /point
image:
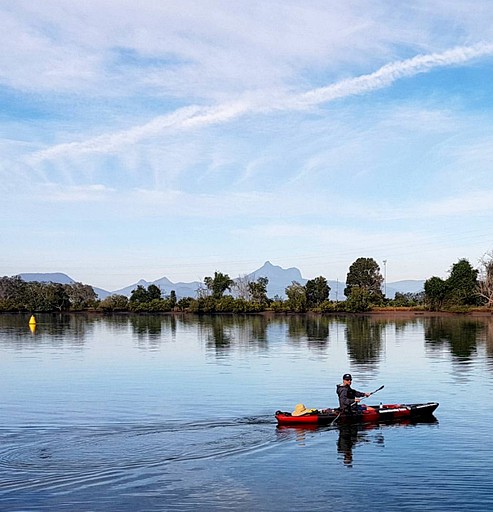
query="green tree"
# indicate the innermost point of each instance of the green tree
(258, 290)
(11, 287)
(58, 297)
(317, 291)
(139, 295)
(365, 274)
(408, 299)
(358, 301)
(184, 303)
(172, 299)
(114, 303)
(81, 296)
(462, 284)
(435, 292)
(153, 292)
(12, 293)
(296, 297)
(218, 284)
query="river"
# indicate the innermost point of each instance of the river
(158, 413)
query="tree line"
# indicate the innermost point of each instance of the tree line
(464, 288)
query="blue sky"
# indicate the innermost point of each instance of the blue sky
(177, 138)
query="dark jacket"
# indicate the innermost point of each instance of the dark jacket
(346, 396)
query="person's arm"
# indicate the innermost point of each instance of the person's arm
(360, 394)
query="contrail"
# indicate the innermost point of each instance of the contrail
(197, 116)
(394, 71)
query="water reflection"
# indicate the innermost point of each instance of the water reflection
(488, 336)
(365, 336)
(349, 437)
(364, 339)
(459, 334)
(54, 329)
(312, 329)
(223, 333)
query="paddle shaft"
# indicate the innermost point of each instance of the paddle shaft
(369, 394)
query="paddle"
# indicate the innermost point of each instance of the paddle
(373, 392)
(369, 394)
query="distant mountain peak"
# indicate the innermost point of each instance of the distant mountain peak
(279, 278)
(47, 277)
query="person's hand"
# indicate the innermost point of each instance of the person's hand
(367, 394)
(357, 400)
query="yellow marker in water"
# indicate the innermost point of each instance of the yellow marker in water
(32, 320)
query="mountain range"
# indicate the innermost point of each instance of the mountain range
(279, 278)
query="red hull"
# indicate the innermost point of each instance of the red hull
(370, 414)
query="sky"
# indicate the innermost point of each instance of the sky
(144, 139)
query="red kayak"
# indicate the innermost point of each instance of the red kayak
(364, 414)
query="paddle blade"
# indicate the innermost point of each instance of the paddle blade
(381, 387)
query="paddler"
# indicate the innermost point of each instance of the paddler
(348, 396)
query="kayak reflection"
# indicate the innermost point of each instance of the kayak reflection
(349, 436)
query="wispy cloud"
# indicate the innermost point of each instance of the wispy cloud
(196, 117)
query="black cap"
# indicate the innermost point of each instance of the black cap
(347, 376)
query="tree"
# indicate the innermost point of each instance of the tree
(58, 297)
(485, 279)
(11, 288)
(184, 303)
(218, 284)
(153, 292)
(358, 301)
(317, 291)
(12, 292)
(139, 294)
(296, 297)
(408, 299)
(114, 303)
(80, 295)
(462, 284)
(172, 299)
(365, 274)
(435, 292)
(258, 290)
(242, 287)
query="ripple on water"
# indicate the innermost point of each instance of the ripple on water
(60, 459)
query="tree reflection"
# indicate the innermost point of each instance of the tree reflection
(488, 335)
(364, 339)
(459, 334)
(219, 331)
(312, 328)
(56, 329)
(222, 332)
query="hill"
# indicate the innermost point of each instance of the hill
(59, 277)
(279, 278)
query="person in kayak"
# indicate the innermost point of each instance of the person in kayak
(348, 396)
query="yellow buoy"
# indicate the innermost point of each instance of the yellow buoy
(32, 328)
(32, 320)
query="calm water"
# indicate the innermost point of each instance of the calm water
(164, 413)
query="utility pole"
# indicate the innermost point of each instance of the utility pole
(385, 278)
